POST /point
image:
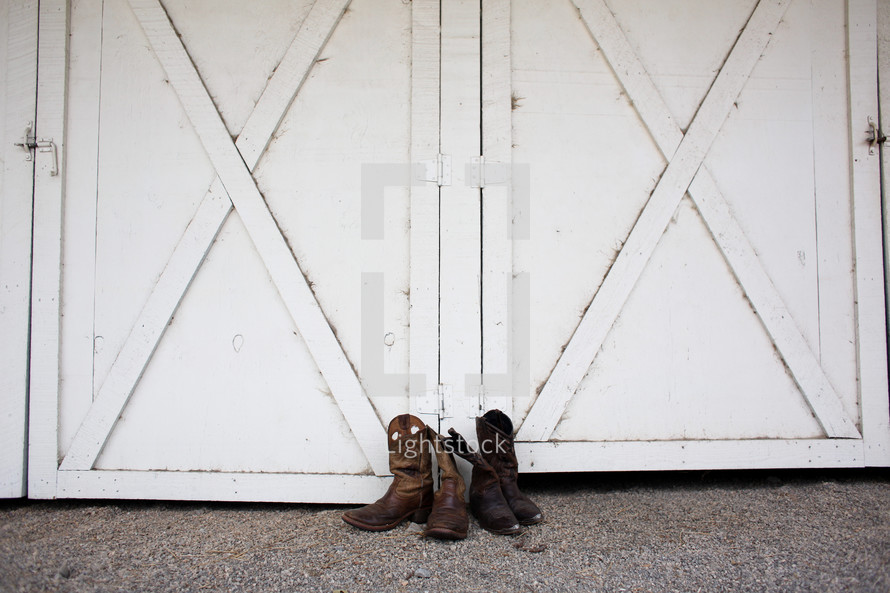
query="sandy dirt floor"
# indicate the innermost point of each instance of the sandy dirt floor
(698, 531)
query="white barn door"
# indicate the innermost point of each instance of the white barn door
(269, 230)
(234, 221)
(693, 252)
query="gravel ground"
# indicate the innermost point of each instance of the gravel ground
(733, 531)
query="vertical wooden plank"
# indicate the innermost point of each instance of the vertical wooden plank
(18, 71)
(77, 324)
(836, 349)
(43, 450)
(423, 337)
(871, 332)
(499, 350)
(883, 32)
(460, 272)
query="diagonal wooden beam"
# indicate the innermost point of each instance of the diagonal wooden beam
(233, 165)
(643, 238)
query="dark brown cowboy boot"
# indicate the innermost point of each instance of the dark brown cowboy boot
(495, 432)
(486, 501)
(449, 517)
(411, 492)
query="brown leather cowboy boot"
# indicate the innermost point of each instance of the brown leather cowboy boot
(495, 432)
(411, 492)
(449, 517)
(487, 503)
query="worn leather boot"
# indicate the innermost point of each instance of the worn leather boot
(495, 432)
(487, 503)
(449, 517)
(411, 493)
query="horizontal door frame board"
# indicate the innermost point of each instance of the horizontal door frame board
(237, 181)
(228, 486)
(725, 230)
(578, 456)
(686, 155)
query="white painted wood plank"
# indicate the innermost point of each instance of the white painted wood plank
(727, 233)
(836, 347)
(239, 487)
(684, 163)
(687, 455)
(423, 336)
(883, 33)
(18, 71)
(271, 245)
(871, 333)
(499, 350)
(77, 363)
(460, 271)
(47, 251)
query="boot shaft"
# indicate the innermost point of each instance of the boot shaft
(409, 454)
(443, 450)
(495, 433)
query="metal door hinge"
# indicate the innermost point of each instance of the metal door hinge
(436, 402)
(491, 399)
(481, 173)
(31, 143)
(446, 401)
(875, 135)
(437, 170)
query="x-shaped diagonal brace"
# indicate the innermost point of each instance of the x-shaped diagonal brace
(685, 172)
(233, 186)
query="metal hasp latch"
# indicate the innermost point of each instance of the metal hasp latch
(30, 143)
(875, 135)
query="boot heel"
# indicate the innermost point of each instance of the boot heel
(421, 515)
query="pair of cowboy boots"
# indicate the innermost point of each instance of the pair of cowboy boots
(411, 445)
(495, 499)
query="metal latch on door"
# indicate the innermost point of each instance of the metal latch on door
(875, 135)
(30, 142)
